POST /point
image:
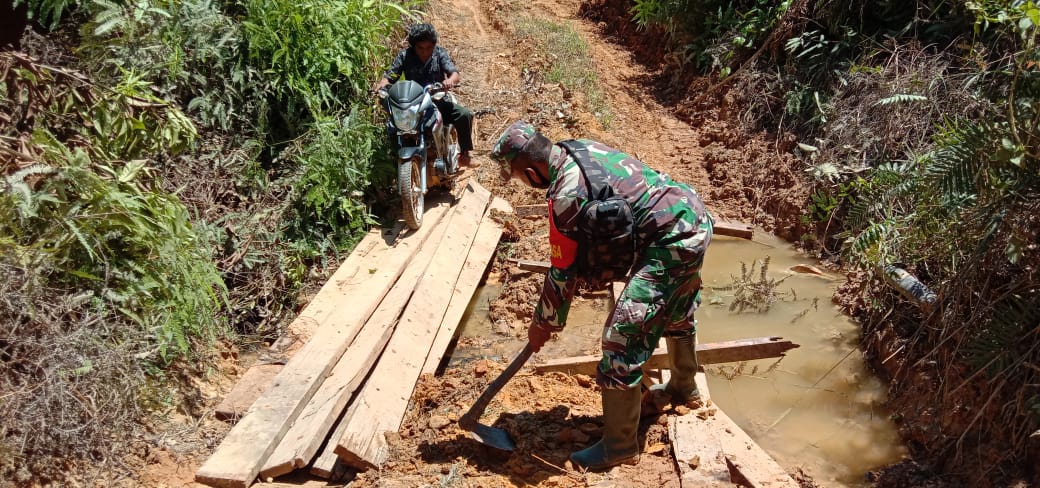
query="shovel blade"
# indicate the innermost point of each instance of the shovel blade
(490, 436)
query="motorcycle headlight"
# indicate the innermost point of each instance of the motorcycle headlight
(406, 119)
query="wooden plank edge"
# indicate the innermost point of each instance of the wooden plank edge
(722, 228)
(324, 464)
(708, 353)
(749, 460)
(247, 389)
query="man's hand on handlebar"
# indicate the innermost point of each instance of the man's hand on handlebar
(382, 83)
(451, 81)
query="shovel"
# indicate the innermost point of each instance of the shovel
(491, 436)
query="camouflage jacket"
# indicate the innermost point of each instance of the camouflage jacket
(434, 70)
(667, 215)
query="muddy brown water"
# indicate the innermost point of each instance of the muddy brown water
(818, 409)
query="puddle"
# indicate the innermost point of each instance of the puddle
(818, 409)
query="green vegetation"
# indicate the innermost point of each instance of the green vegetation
(88, 215)
(570, 63)
(707, 34)
(170, 186)
(336, 164)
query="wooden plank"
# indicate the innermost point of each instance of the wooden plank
(301, 484)
(480, 254)
(731, 229)
(351, 273)
(748, 464)
(698, 453)
(711, 353)
(615, 290)
(381, 404)
(324, 465)
(311, 428)
(734, 229)
(249, 387)
(239, 457)
(529, 265)
(697, 448)
(536, 210)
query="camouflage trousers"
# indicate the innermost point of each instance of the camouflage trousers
(660, 298)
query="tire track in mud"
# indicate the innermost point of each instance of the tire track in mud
(478, 21)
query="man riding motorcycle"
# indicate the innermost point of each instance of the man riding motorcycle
(426, 63)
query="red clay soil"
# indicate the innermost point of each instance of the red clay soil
(548, 416)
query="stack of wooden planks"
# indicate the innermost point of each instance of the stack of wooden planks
(386, 316)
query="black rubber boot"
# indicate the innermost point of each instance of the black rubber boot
(619, 444)
(682, 385)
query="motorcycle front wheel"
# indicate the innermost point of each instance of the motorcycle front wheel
(409, 183)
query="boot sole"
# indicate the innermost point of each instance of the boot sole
(633, 460)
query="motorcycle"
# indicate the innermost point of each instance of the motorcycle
(427, 146)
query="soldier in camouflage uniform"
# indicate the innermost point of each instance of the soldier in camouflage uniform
(672, 231)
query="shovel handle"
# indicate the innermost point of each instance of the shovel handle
(472, 417)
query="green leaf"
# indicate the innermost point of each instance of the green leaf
(129, 172)
(87, 367)
(1033, 13)
(84, 274)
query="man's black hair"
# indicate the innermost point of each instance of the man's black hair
(537, 148)
(421, 32)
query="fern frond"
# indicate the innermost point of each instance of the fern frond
(900, 98)
(998, 345)
(955, 166)
(109, 16)
(869, 239)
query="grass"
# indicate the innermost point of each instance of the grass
(570, 63)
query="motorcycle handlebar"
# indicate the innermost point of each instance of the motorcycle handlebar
(435, 87)
(431, 88)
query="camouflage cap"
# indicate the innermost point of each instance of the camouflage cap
(513, 140)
